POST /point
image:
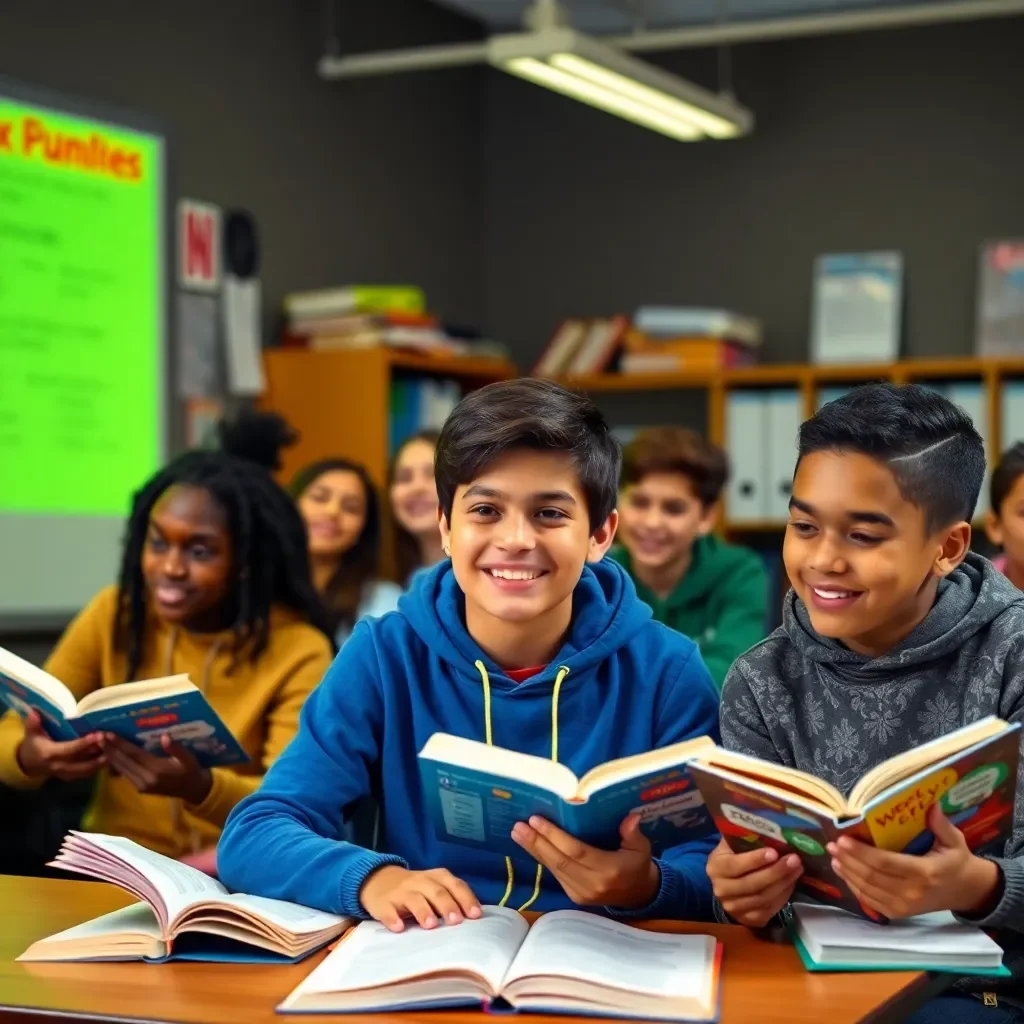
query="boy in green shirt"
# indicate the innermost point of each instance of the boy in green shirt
(714, 593)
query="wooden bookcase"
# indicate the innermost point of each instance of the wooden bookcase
(809, 380)
(339, 401)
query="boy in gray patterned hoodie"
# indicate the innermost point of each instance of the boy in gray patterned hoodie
(894, 633)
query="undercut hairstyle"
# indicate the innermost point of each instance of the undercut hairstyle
(1005, 475)
(359, 565)
(928, 443)
(534, 414)
(677, 450)
(271, 563)
(407, 547)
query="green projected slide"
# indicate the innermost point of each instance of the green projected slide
(81, 315)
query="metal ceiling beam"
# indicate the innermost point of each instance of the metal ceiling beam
(722, 34)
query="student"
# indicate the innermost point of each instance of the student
(414, 505)
(339, 503)
(1004, 522)
(715, 593)
(894, 634)
(515, 641)
(214, 583)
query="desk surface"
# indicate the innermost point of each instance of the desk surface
(763, 982)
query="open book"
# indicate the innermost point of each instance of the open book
(476, 793)
(829, 939)
(186, 915)
(971, 773)
(139, 712)
(567, 962)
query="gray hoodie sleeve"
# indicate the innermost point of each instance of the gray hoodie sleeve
(1009, 911)
(743, 726)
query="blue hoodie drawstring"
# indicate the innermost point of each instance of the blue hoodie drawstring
(563, 671)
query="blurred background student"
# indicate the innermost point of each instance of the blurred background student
(1004, 521)
(715, 593)
(215, 583)
(414, 505)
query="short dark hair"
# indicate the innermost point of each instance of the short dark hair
(1004, 476)
(677, 450)
(930, 445)
(535, 414)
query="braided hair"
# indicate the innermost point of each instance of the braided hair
(270, 555)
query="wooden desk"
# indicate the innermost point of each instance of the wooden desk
(763, 982)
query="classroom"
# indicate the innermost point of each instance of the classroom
(512, 506)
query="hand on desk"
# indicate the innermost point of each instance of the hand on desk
(625, 878)
(948, 877)
(178, 774)
(38, 755)
(752, 887)
(392, 893)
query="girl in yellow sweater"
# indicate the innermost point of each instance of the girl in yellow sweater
(214, 583)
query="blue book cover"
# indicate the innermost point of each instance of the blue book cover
(475, 794)
(139, 712)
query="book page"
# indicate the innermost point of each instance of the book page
(178, 885)
(476, 756)
(132, 930)
(290, 917)
(625, 768)
(371, 957)
(133, 693)
(20, 671)
(574, 944)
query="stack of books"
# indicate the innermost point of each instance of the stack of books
(366, 316)
(680, 339)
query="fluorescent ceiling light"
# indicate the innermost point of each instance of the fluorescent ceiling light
(612, 80)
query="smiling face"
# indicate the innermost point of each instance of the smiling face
(661, 515)
(858, 554)
(519, 537)
(188, 559)
(413, 492)
(334, 509)
(1005, 526)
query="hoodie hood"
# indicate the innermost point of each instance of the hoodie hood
(966, 602)
(606, 616)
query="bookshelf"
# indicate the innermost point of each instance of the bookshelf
(809, 381)
(339, 401)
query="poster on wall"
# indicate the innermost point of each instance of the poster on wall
(857, 307)
(199, 246)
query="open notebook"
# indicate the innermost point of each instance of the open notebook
(567, 962)
(185, 915)
(971, 773)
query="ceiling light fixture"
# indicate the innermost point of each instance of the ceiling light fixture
(601, 76)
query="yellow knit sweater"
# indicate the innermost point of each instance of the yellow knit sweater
(258, 702)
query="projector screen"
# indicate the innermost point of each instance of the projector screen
(83, 343)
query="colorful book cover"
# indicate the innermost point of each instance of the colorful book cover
(187, 718)
(478, 809)
(974, 787)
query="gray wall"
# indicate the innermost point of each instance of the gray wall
(375, 179)
(904, 139)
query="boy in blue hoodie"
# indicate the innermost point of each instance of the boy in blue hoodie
(515, 640)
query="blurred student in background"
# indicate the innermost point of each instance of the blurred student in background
(714, 593)
(1004, 522)
(414, 505)
(215, 583)
(341, 510)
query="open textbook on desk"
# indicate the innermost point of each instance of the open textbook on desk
(568, 962)
(185, 915)
(971, 773)
(139, 712)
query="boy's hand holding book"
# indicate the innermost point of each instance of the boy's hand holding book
(948, 877)
(39, 756)
(393, 893)
(178, 774)
(625, 878)
(754, 886)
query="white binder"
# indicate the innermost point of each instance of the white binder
(784, 414)
(745, 427)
